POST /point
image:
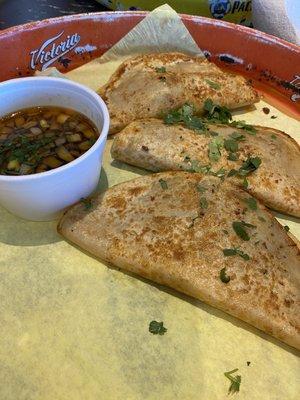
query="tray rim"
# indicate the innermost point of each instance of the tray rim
(127, 14)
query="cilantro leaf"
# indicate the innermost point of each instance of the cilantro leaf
(216, 113)
(235, 252)
(232, 172)
(201, 188)
(237, 136)
(245, 183)
(203, 202)
(243, 125)
(235, 381)
(161, 70)
(195, 124)
(163, 184)
(212, 84)
(232, 157)
(240, 229)
(251, 203)
(229, 252)
(173, 117)
(220, 173)
(157, 328)
(224, 278)
(214, 147)
(196, 167)
(250, 165)
(187, 110)
(231, 145)
(185, 115)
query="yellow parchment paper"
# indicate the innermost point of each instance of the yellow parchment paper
(72, 328)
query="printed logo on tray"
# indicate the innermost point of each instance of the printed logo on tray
(296, 85)
(52, 49)
(220, 8)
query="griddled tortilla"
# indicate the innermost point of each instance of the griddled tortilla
(172, 228)
(155, 146)
(152, 84)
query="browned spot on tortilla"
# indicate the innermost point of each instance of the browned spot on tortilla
(288, 302)
(117, 202)
(136, 190)
(178, 254)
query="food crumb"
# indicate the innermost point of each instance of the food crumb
(273, 117)
(248, 363)
(266, 110)
(145, 148)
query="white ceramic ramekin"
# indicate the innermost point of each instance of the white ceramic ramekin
(42, 196)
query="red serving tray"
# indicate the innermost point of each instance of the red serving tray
(68, 42)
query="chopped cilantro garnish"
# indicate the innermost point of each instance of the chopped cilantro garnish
(163, 184)
(214, 147)
(248, 166)
(185, 115)
(161, 70)
(224, 278)
(201, 188)
(273, 136)
(245, 183)
(196, 167)
(240, 229)
(157, 328)
(233, 157)
(231, 145)
(87, 203)
(216, 113)
(243, 125)
(261, 219)
(229, 252)
(235, 252)
(203, 202)
(220, 173)
(212, 84)
(195, 123)
(232, 172)
(251, 203)
(235, 381)
(213, 113)
(237, 136)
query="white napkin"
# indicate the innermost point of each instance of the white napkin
(278, 17)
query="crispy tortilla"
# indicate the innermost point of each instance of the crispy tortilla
(155, 146)
(152, 84)
(160, 227)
